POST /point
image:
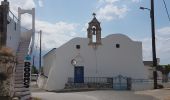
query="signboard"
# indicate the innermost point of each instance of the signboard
(27, 71)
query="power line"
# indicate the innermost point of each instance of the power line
(166, 10)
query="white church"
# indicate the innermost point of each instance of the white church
(82, 58)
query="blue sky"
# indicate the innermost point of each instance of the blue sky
(62, 20)
(134, 23)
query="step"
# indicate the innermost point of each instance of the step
(19, 75)
(19, 85)
(20, 94)
(19, 81)
(21, 53)
(18, 78)
(23, 49)
(21, 58)
(26, 97)
(20, 62)
(19, 68)
(19, 65)
(21, 89)
(19, 71)
(24, 44)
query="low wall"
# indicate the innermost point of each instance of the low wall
(140, 85)
(41, 81)
(7, 67)
(166, 85)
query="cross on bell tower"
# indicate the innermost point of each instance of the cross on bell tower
(94, 31)
(94, 14)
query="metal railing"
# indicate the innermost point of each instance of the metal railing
(11, 14)
(110, 80)
(90, 82)
(93, 80)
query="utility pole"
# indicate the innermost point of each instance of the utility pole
(33, 61)
(40, 53)
(153, 44)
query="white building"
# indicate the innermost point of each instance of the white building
(148, 65)
(21, 43)
(94, 56)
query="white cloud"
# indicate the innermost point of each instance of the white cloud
(162, 45)
(110, 11)
(40, 2)
(24, 4)
(137, 1)
(164, 32)
(53, 34)
(113, 1)
(108, 1)
(113, 9)
(84, 29)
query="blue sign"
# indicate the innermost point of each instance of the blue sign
(28, 57)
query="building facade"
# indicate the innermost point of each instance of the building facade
(13, 38)
(94, 56)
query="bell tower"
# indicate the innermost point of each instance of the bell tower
(94, 32)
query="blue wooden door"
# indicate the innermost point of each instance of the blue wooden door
(79, 74)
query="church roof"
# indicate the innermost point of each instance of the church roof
(94, 20)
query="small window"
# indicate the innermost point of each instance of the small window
(117, 45)
(77, 46)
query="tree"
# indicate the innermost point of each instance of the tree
(34, 70)
(165, 69)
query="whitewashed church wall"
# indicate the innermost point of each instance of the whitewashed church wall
(48, 59)
(105, 61)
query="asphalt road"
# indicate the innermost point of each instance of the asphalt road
(92, 95)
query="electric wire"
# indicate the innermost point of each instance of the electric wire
(165, 5)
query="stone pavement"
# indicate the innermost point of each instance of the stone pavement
(93, 95)
(161, 94)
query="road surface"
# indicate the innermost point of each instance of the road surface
(92, 95)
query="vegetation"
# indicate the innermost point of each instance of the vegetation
(6, 57)
(165, 69)
(4, 51)
(34, 70)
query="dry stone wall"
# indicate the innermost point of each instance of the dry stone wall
(7, 68)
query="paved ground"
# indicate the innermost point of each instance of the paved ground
(92, 95)
(161, 94)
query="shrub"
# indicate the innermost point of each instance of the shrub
(4, 51)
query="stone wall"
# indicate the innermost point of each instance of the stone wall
(7, 66)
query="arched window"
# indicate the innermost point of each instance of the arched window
(94, 34)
